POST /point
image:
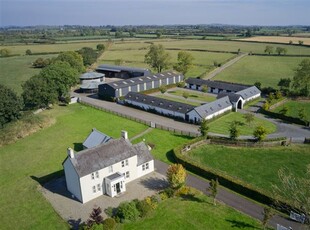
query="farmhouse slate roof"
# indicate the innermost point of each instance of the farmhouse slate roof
(104, 155)
(233, 97)
(159, 102)
(249, 92)
(140, 80)
(114, 68)
(91, 75)
(217, 84)
(95, 138)
(213, 107)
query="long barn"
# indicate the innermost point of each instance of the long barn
(138, 84)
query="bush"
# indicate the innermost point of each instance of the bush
(183, 191)
(109, 224)
(169, 192)
(181, 84)
(163, 195)
(144, 208)
(128, 211)
(151, 202)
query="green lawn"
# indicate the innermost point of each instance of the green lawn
(42, 154)
(222, 124)
(257, 166)
(182, 100)
(195, 213)
(193, 95)
(267, 70)
(294, 107)
(16, 70)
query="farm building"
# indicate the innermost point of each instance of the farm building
(158, 105)
(124, 72)
(138, 84)
(214, 86)
(209, 110)
(236, 100)
(106, 168)
(249, 93)
(95, 138)
(90, 81)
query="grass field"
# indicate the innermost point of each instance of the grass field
(222, 124)
(42, 154)
(278, 39)
(267, 70)
(196, 213)
(294, 107)
(193, 95)
(257, 166)
(16, 70)
(182, 100)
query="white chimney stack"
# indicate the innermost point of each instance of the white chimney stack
(124, 134)
(70, 152)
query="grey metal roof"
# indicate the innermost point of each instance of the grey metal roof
(249, 92)
(217, 84)
(233, 97)
(91, 75)
(115, 176)
(90, 85)
(115, 68)
(95, 138)
(159, 102)
(104, 155)
(213, 107)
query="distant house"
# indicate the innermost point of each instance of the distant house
(158, 105)
(138, 84)
(95, 138)
(106, 168)
(90, 81)
(124, 72)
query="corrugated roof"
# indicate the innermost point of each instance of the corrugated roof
(159, 102)
(213, 107)
(249, 92)
(217, 84)
(90, 160)
(115, 68)
(91, 75)
(95, 138)
(90, 85)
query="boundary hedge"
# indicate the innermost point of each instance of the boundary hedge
(294, 120)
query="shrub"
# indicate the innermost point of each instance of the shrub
(176, 176)
(144, 208)
(151, 202)
(128, 211)
(169, 192)
(260, 133)
(110, 211)
(181, 84)
(182, 191)
(163, 195)
(109, 224)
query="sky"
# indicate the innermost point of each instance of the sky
(153, 12)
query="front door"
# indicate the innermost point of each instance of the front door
(118, 188)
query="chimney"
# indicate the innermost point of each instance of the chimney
(124, 134)
(70, 152)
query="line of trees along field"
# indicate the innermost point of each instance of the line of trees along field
(51, 85)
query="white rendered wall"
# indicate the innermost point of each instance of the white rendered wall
(141, 173)
(72, 179)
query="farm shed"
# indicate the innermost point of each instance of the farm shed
(249, 93)
(90, 81)
(158, 105)
(124, 72)
(236, 100)
(138, 84)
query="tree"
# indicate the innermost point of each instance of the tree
(284, 110)
(185, 61)
(37, 93)
(234, 131)
(249, 118)
(10, 105)
(269, 49)
(28, 52)
(258, 84)
(204, 128)
(301, 114)
(266, 106)
(163, 89)
(278, 94)
(95, 217)
(157, 57)
(185, 94)
(290, 42)
(204, 88)
(74, 59)
(260, 133)
(101, 47)
(284, 83)
(301, 80)
(176, 176)
(128, 211)
(280, 50)
(267, 213)
(89, 55)
(213, 189)
(5, 52)
(301, 42)
(293, 190)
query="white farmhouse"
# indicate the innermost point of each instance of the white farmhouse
(106, 168)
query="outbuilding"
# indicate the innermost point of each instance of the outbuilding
(90, 81)
(124, 72)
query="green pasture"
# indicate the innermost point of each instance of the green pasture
(294, 107)
(222, 124)
(197, 212)
(182, 100)
(18, 69)
(256, 166)
(267, 70)
(200, 96)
